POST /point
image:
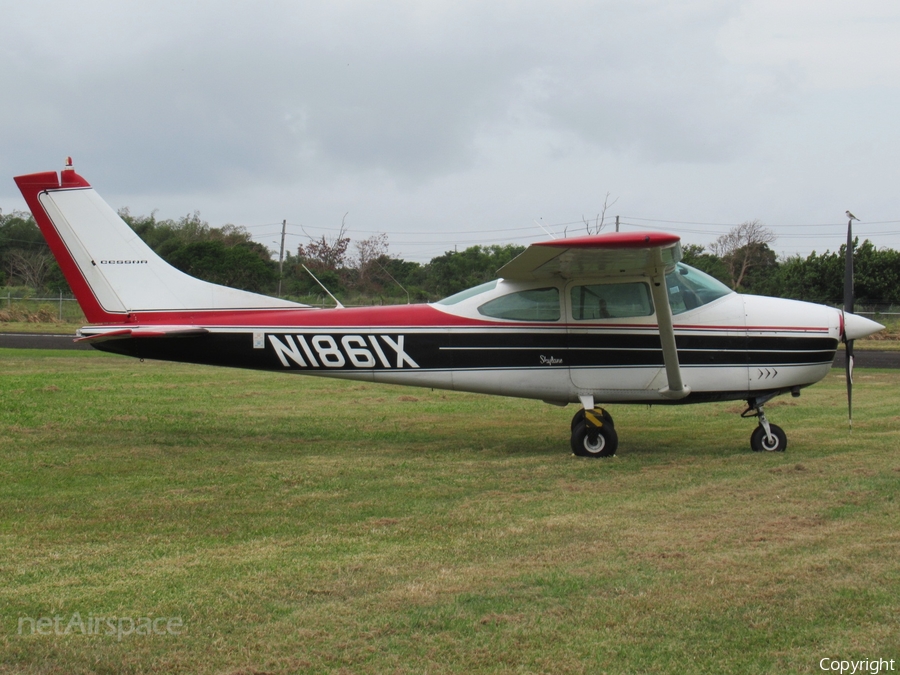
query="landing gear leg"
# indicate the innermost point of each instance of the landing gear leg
(602, 412)
(767, 437)
(593, 433)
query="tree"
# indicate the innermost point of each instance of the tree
(25, 257)
(457, 270)
(408, 274)
(820, 277)
(877, 275)
(31, 267)
(696, 256)
(743, 248)
(236, 266)
(225, 255)
(324, 253)
(368, 262)
(598, 223)
(816, 278)
(762, 276)
(326, 257)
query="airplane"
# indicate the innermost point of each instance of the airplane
(595, 320)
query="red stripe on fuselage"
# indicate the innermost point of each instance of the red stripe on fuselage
(393, 315)
(405, 316)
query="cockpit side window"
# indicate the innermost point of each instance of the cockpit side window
(536, 304)
(611, 301)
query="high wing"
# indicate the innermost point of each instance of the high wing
(614, 254)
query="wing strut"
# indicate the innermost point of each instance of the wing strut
(676, 388)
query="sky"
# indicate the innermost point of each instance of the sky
(450, 124)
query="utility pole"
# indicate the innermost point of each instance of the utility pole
(617, 223)
(281, 257)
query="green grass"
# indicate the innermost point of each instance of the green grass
(309, 525)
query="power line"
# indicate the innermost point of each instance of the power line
(624, 220)
(422, 245)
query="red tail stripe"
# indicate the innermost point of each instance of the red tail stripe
(31, 187)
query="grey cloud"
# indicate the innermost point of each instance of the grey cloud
(279, 91)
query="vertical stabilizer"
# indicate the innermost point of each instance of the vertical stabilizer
(109, 268)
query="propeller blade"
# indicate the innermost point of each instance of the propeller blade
(848, 309)
(849, 373)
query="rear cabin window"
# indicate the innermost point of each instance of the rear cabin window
(611, 301)
(536, 304)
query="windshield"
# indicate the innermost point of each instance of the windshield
(690, 288)
(468, 293)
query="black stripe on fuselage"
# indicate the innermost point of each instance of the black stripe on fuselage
(330, 349)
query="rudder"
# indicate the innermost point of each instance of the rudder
(109, 268)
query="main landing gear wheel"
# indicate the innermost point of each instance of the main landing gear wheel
(594, 442)
(593, 434)
(759, 441)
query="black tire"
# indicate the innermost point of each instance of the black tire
(759, 442)
(579, 417)
(605, 446)
(608, 418)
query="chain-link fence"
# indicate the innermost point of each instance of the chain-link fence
(18, 306)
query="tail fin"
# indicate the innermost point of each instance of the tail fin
(109, 268)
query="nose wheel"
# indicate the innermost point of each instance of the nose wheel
(766, 437)
(593, 433)
(776, 441)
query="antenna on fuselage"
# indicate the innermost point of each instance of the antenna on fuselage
(546, 231)
(394, 280)
(336, 301)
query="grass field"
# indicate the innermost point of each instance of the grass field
(277, 524)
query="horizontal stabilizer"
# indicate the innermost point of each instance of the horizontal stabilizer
(155, 332)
